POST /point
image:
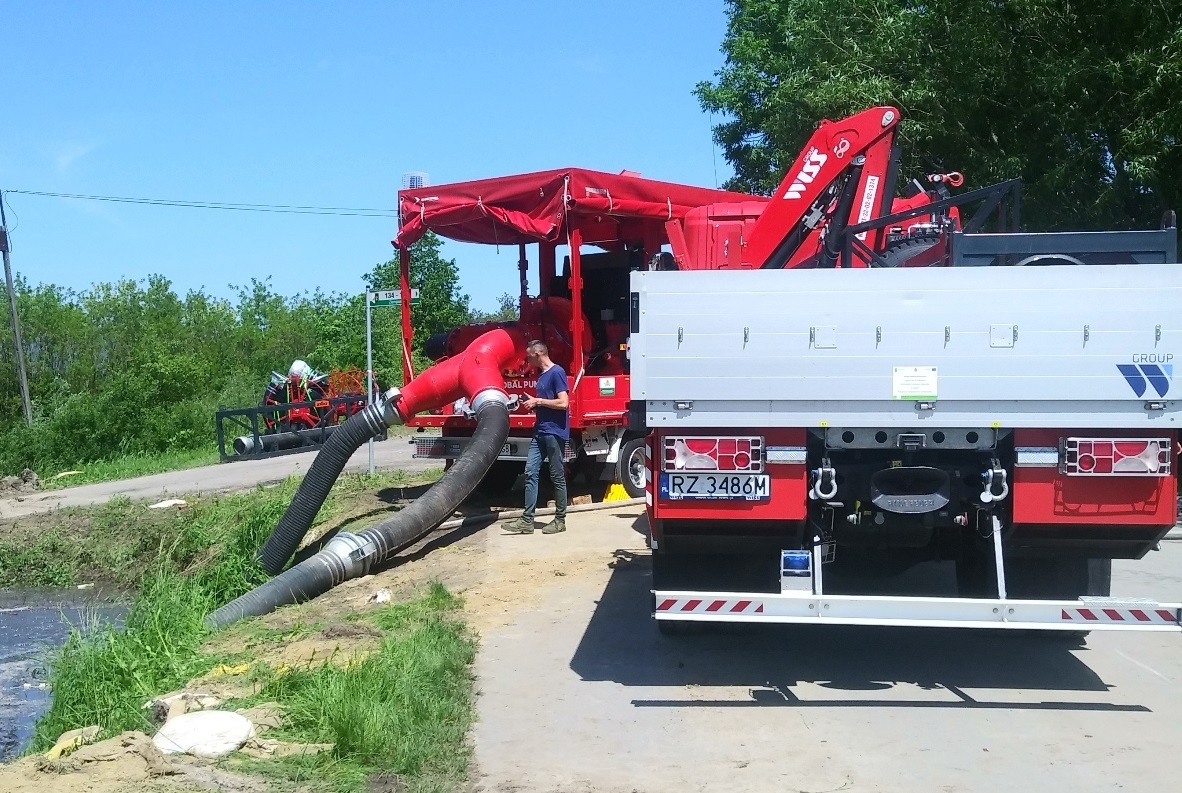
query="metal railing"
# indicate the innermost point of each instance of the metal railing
(249, 426)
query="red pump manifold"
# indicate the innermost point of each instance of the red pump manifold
(478, 368)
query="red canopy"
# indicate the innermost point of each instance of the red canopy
(531, 207)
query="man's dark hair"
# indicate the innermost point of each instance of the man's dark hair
(537, 346)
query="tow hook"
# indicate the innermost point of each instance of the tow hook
(824, 485)
(996, 486)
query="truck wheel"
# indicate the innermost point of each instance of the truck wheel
(501, 477)
(630, 467)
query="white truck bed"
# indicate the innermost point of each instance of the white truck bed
(1053, 347)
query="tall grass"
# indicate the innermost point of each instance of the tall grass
(104, 675)
(404, 710)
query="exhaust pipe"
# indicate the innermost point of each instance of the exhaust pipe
(475, 374)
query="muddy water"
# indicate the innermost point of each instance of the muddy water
(32, 623)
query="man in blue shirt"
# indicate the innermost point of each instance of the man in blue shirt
(551, 432)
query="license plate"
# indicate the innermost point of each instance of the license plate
(716, 487)
(508, 449)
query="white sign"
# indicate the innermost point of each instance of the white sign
(914, 382)
(391, 298)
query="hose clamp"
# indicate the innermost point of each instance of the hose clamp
(488, 396)
(352, 553)
(383, 412)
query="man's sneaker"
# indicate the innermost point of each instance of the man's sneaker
(554, 526)
(520, 526)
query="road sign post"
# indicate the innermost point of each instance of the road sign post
(379, 299)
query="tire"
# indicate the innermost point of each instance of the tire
(630, 467)
(903, 251)
(1065, 578)
(501, 477)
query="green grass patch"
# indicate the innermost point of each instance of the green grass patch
(121, 542)
(403, 710)
(133, 465)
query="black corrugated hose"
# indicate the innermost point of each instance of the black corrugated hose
(322, 475)
(351, 555)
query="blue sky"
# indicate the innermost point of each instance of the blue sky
(324, 104)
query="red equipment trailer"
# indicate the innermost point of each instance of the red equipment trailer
(579, 307)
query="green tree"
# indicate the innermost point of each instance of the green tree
(507, 311)
(132, 367)
(441, 305)
(1077, 99)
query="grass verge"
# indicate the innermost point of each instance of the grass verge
(121, 542)
(132, 466)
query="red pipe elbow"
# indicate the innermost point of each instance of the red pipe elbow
(477, 369)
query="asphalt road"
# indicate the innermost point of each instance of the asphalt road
(394, 453)
(580, 694)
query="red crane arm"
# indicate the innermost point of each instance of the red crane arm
(789, 231)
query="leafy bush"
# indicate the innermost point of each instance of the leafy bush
(134, 369)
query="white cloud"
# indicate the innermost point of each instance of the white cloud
(69, 154)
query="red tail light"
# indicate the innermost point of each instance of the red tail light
(1116, 457)
(713, 454)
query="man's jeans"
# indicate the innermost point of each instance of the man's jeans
(551, 447)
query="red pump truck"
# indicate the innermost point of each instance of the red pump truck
(584, 231)
(917, 388)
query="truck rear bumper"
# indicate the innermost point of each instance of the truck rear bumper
(1091, 614)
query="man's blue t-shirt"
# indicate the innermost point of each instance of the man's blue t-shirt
(549, 421)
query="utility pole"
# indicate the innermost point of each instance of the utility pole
(16, 325)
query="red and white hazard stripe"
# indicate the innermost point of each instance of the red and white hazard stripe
(648, 471)
(1127, 615)
(709, 606)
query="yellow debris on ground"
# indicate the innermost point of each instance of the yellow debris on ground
(73, 740)
(222, 670)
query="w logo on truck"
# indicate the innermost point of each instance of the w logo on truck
(1140, 376)
(808, 172)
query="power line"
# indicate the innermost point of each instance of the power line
(237, 207)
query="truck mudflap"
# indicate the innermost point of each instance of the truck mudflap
(1092, 614)
(802, 599)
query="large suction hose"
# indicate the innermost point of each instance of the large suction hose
(352, 555)
(321, 476)
(475, 372)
